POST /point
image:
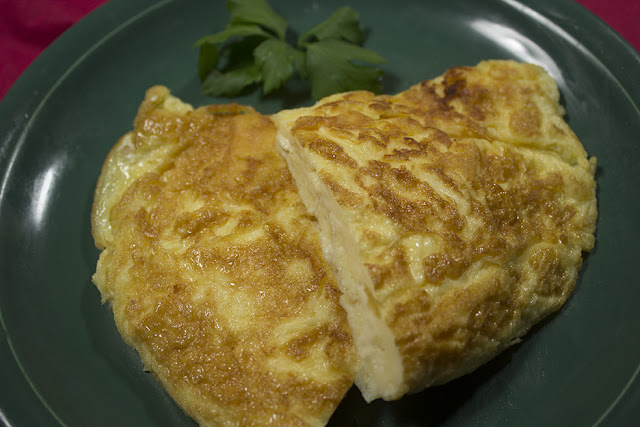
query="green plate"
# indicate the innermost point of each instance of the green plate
(61, 358)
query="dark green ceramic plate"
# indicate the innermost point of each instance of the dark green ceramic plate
(61, 358)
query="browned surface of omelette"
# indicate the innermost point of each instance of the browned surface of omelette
(455, 214)
(214, 271)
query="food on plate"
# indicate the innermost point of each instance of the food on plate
(255, 48)
(455, 215)
(214, 271)
(406, 240)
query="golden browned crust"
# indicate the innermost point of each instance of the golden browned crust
(214, 271)
(471, 202)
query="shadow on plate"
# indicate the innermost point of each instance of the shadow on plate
(433, 406)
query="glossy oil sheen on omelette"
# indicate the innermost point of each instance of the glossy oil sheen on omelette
(454, 213)
(214, 271)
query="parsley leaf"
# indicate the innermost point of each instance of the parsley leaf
(241, 30)
(331, 69)
(252, 49)
(276, 60)
(342, 25)
(257, 12)
(232, 82)
(208, 60)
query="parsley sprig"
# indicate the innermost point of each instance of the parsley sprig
(253, 50)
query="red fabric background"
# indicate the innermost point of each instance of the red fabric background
(28, 27)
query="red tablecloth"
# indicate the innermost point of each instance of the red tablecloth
(27, 27)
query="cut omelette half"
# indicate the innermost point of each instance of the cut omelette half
(455, 215)
(214, 271)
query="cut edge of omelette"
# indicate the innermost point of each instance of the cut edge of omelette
(380, 372)
(438, 327)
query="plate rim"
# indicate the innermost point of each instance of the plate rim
(20, 105)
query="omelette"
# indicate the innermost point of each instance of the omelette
(213, 268)
(455, 215)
